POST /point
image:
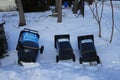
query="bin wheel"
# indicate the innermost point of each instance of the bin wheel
(80, 60)
(57, 58)
(41, 50)
(1, 54)
(34, 60)
(73, 58)
(19, 63)
(98, 59)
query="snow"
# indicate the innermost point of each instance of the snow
(46, 67)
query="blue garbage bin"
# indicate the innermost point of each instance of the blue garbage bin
(65, 4)
(28, 46)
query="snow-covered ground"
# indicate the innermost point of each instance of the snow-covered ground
(46, 67)
(116, 4)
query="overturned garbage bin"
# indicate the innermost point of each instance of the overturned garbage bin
(87, 49)
(3, 41)
(28, 46)
(64, 48)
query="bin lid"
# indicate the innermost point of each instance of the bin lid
(28, 36)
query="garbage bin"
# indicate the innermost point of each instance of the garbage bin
(3, 41)
(65, 4)
(64, 48)
(28, 46)
(87, 49)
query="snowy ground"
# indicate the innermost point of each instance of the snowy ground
(46, 67)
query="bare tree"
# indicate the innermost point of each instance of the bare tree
(97, 15)
(21, 13)
(111, 38)
(59, 10)
(75, 7)
(56, 5)
(81, 6)
(89, 1)
(48, 4)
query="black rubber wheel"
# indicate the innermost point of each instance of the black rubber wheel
(73, 58)
(42, 49)
(19, 62)
(57, 58)
(20, 51)
(98, 59)
(1, 54)
(80, 60)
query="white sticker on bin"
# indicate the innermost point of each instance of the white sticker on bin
(61, 40)
(86, 41)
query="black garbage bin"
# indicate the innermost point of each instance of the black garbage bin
(3, 41)
(87, 49)
(64, 48)
(28, 46)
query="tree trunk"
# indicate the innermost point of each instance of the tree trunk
(81, 7)
(112, 21)
(75, 7)
(56, 5)
(99, 29)
(59, 10)
(48, 4)
(21, 13)
(89, 1)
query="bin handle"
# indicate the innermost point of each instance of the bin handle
(30, 30)
(41, 49)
